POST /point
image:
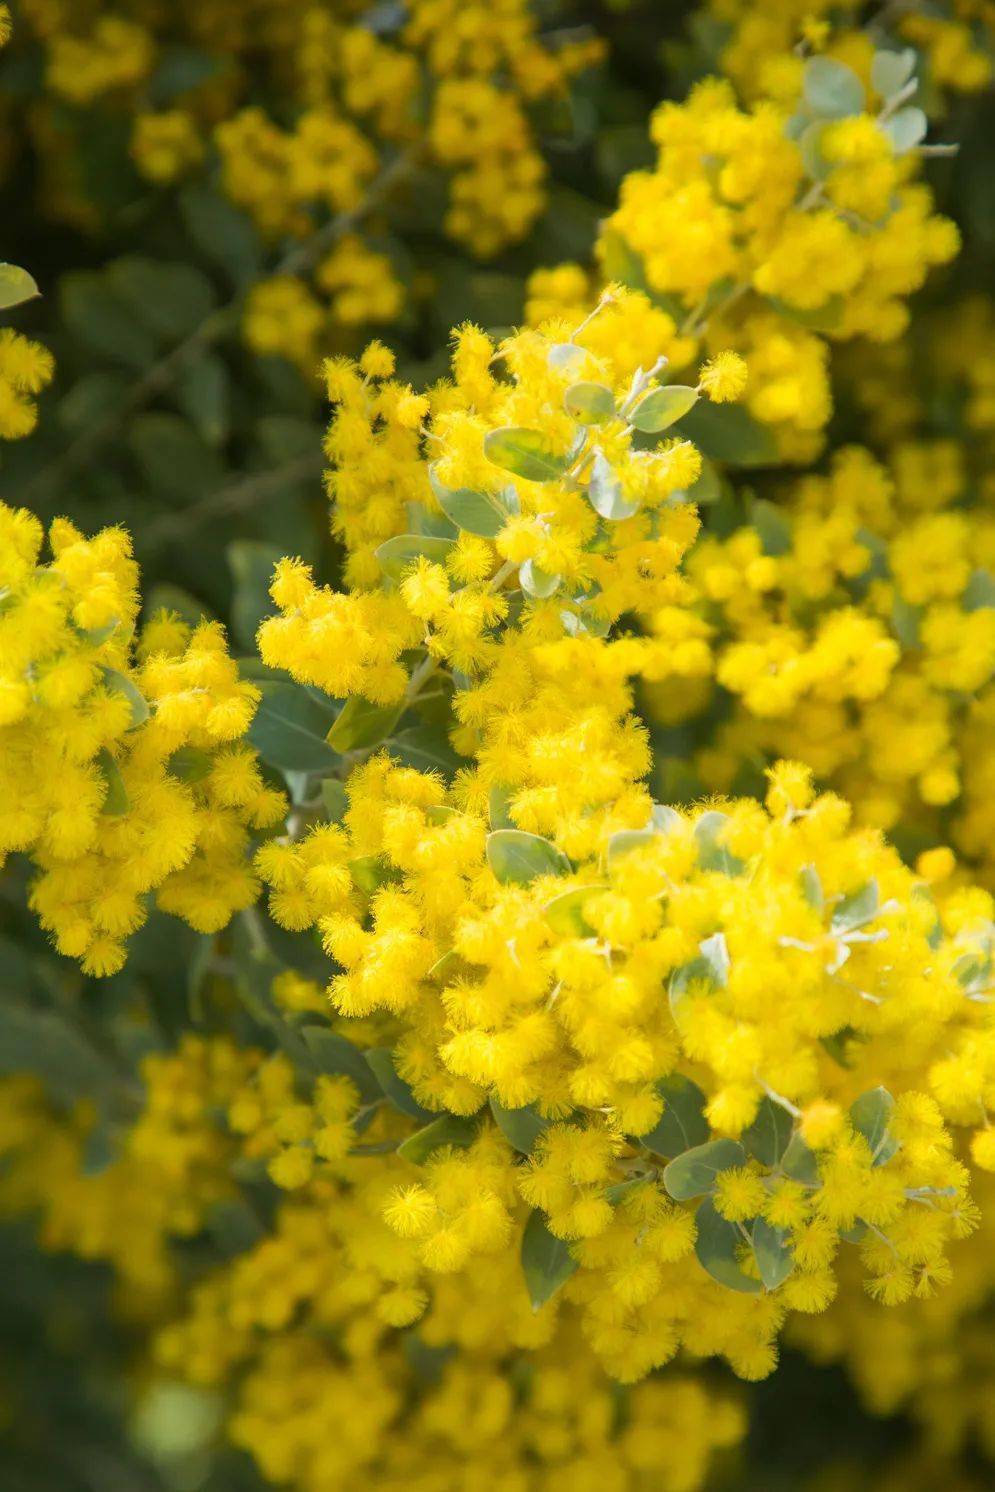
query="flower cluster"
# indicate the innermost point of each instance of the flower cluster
(122, 773)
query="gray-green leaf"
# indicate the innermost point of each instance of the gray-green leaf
(682, 1126)
(589, 403)
(16, 286)
(518, 858)
(525, 452)
(832, 89)
(520, 1127)
(770, 1133)
(695, 1172)
(396, 555)
(663, 407)
(717, 1246)
(360, 724)
(546, 1261)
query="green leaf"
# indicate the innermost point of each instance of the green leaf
(565, 913)
(624, 841)
(517, 858)
(890, 71)
(398, 554)
(360, 724)
(233, 1226)
(773, 527)
(694, 1172)
(536, 582)
(289, 729)
(663, 407)
(335, 799)
(682, 1126)
(771, 1249)
(164, 596)
(395, 1088)
(498, 800)
(252, 563)
(116, 796)
(16, 286)
(119, 683)
(871, 1115)
(190, 764)
(520, 1127)
(335, 1056)
(426, 748)
(710, 968)
(906, 129)
(566, 355)
(447, 1130)
(527, 453)
(103, 321)
(979, 591)
(174, 460)
(604, 492)
(811, 884)
(170, 299)
(729, 434)
(832, 89)
(180, 69)
(203, 393)
(799, 1162)
(717, 1246)
(856, 910)
(770, 1133)
(222, 232)
(713, 855)
(370, 872)
(589, 403)
(547, 1262)
(483, 513)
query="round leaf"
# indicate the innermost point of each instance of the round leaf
(682, 1126)
(397, 554)
(717, 1246)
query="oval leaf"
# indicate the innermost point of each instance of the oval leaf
(119, 683)
(663, 407)
(589, 403)
(518, 858)
(288, 729)
(769, 1136)
(694, 1173)
(682, 1125)
(717, 1246)
(520, 1127)
(16, 286)
(395, 1088)
(527, 453)
(832, 89)
(870, 1115)
(546, 1261)
(449, 1129)
(536, 582)
(481, 513)
(335, 1056)
(360, 724)
(565, 914)
(604, 492)
(397, 554)
(775, 1260)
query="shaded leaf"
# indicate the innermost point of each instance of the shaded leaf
(770, 1133)
(289, 729)
(447, 1130)
(682, 1126)
(381, 1061)
(546, 1261)
(694, 1172)
(520, 1127)
(717, 1246)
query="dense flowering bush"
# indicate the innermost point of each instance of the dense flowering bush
(466, 1019)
